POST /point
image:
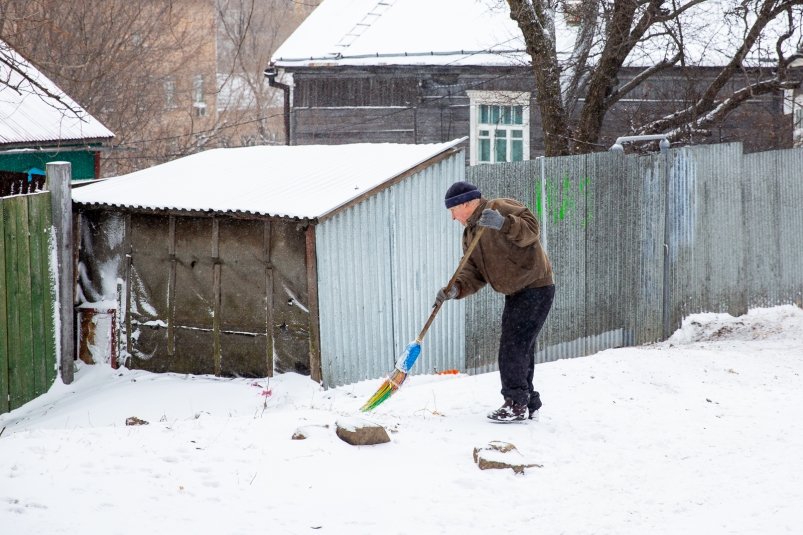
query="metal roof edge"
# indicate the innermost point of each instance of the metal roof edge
(94, 144)
(336, 58)
(239, 214)
(447, 151)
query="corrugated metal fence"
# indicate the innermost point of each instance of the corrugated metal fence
(27, 298)
(639, 242)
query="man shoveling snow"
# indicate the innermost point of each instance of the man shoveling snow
(511, 259)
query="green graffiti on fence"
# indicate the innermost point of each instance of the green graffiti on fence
(565, 200)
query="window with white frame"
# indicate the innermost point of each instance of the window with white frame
(198, 88)
(500, 126)
(170, 93)
(198, 103)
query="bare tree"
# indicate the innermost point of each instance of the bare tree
(168, 77)
(16, 75)
(248, 33)
(114, 58)
(575, 91)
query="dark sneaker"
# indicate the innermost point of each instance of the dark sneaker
(509, 412)
(533, 406)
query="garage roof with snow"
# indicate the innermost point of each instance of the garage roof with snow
(305, 182)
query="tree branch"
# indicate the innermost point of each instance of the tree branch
(766, 14)
(677, 125)
(575, 69)
(535, 20)
(13, 62)
(640, 78)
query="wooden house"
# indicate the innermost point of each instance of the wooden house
(321, 260)
(39, 123)
(416, 71)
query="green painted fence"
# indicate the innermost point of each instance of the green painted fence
(28, 362)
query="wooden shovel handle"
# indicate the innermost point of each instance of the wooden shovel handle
(466, 255)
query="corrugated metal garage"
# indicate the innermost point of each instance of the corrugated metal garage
(322, 260)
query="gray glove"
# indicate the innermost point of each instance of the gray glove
(491, 219)
(443, 295)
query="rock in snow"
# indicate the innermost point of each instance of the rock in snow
(499, 454)
(306, 431)
(360, 432)
(300, 434)
(133, 420)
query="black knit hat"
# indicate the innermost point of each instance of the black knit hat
(461, 192)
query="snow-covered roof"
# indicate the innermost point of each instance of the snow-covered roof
(300, 181)
(408, 32)
(34, 110)
(481, 32)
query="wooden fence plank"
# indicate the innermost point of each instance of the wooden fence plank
(38, 293)
(27, 300)
(4, 391)
(49, 277)
(26, 319)
(11, 237)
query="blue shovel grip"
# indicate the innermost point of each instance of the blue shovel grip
(407, 359)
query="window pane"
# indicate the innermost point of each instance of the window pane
(170, 93)
(516, 134)
(494, 115)
(485, 133)
(505, 114)
(198, 88)
(500, 147)
(484, 113)
(518, 115)
(516, 150)
(485, 150)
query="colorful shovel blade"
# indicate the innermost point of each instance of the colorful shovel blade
(388, 388)
(390, 385)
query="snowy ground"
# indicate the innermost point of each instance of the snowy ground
(700, 434)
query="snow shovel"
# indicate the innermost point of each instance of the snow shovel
(410, 354)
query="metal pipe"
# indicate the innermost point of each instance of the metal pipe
(270, 73)
(663, 143)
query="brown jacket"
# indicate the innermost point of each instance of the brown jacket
(509, 259)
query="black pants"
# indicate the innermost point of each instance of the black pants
(524, 315)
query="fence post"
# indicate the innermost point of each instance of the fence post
(59, 175)
(666, 298)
